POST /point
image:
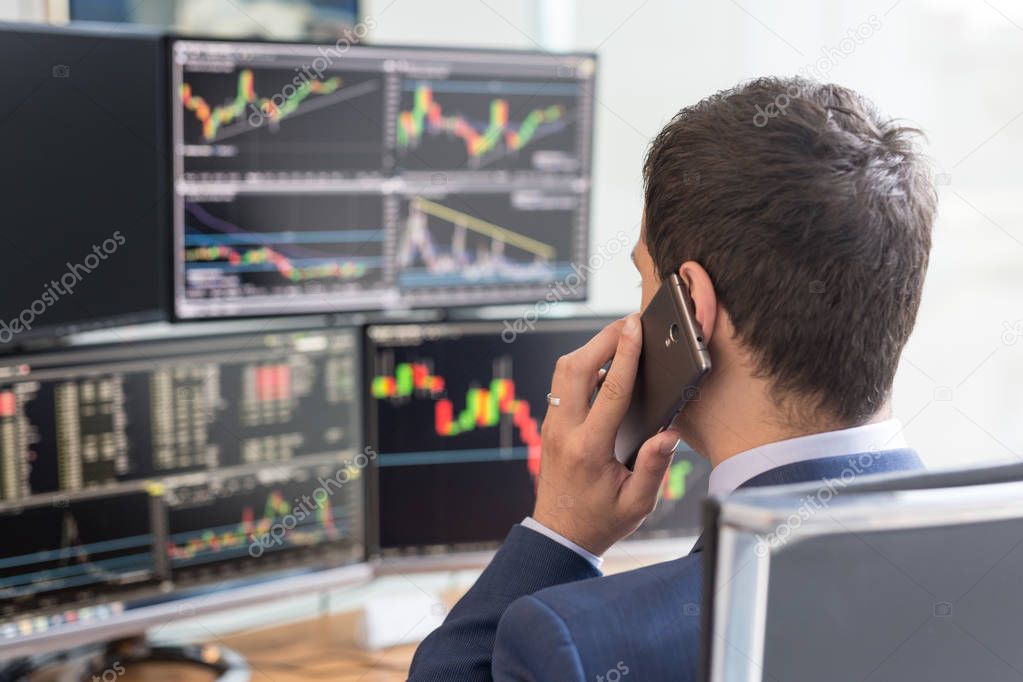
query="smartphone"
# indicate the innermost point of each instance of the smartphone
(674, 360)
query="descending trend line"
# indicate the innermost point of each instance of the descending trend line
(285, 266)
(213, 540)
(486, 263)
(483, 406)
(426, 115)
(213, 118)
(496, 232)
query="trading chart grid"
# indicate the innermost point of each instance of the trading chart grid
(311, 180)
(178, 463)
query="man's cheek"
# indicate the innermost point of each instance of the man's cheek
(649, 289)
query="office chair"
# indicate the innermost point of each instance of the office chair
(895, 577)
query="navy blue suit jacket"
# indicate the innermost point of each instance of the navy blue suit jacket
(541, 612)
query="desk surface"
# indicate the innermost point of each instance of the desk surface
(321, 648)
(315, 649)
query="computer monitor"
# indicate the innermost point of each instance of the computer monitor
(330, 178)
(137, 474)
(87, 197)
(454, 411)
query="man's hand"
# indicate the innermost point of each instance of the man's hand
(583, 492)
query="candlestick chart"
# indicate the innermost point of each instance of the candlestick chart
(484, 407)
(457, 124)
(279, 120)
(456, 416)
(246, 519)
(456, 411)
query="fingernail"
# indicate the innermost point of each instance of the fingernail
(671, 446)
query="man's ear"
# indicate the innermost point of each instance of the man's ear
(705, 300)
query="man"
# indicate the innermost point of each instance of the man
(804, 240)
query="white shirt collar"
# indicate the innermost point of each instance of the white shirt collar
(741, 467)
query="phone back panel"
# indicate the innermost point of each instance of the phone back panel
(670, 368)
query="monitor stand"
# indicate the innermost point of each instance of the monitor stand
(107, 662)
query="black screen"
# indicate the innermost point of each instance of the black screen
(178, 463)
(455, 412)
(314, 178)
(85, 221)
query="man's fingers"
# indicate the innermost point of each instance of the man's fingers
(639, 492)
(575, 375)
(599, 349)
(615, 392)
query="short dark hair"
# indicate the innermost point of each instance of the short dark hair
(812, 214)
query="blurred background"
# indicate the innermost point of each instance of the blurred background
(941, 64)
(944, 65)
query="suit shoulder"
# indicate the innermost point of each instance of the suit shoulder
(647, 619)
(533, 643)
(669, 581)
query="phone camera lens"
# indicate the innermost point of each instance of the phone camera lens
(674, 333)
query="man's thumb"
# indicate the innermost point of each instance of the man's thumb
(640, 490)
